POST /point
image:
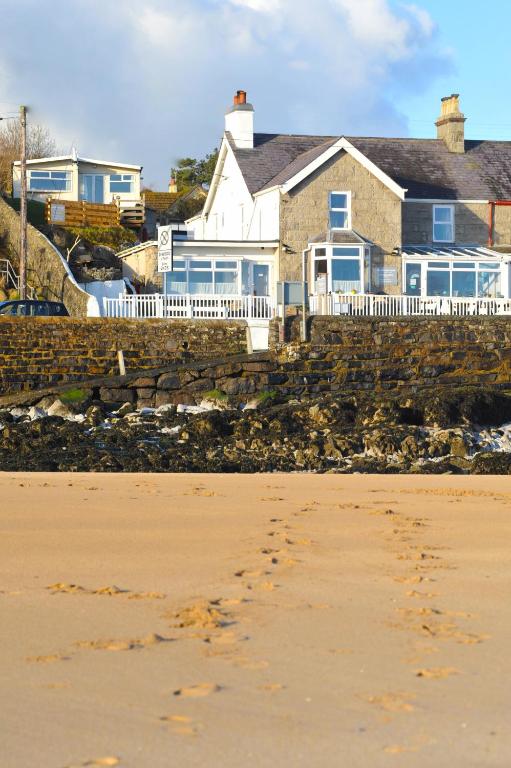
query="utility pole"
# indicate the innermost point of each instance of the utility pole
(23, 204)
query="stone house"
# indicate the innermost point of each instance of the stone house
(422, 217)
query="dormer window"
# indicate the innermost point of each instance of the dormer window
(443, 223)
(340, 210)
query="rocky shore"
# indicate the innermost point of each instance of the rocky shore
(464, 431)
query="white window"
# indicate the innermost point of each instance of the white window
(121, 182)
(49, 181)
(203, 276)
(443, 223)
(339, 210)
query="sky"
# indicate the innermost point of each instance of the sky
(149, 81)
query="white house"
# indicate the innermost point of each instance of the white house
(72, 177)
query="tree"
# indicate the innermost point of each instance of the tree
(190, 172)
(40, 143)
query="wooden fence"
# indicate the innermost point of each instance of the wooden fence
(71, 213)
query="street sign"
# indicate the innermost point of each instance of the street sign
(167, 236)
(165, 248)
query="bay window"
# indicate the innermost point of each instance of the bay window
(338, 269)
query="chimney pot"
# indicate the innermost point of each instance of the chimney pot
(242, 97)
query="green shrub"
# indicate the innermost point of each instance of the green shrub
(74, 395)
(215, 394)
(116, 238)
(265, 395)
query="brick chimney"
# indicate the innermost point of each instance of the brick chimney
(451, 124)
(239, 120)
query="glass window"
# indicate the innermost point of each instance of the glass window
(438, 283)
(488, 284)
(438, 264)
(345, 275)
(226, 265)
(339, 208)
(483, 265)
(49, 181)
(226, 282)
(178, 264)
(443, 223)
(176, 282)
(200, 281)
(463, 265)
(464, 284)
(199, 264)
(346, 252)
(121, 182)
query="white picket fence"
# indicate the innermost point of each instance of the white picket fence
(384, 306)
(197, 306)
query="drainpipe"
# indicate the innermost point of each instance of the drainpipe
(304, 275)
(491, 216)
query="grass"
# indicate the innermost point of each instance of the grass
(215, 394)
(74, 395)
(265, 395)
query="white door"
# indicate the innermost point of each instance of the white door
(92, 187)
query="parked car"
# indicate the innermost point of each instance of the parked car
(33, 308)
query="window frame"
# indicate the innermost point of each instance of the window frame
(46, 175)
(346, 210)
(122, 180)
(452, 210)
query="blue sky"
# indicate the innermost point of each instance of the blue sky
(477, 35)
(147, 81)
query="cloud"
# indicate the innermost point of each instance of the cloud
(147, 81)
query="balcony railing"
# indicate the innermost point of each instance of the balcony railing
(380, 306)
(195, 306)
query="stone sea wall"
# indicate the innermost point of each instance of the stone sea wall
(38, 352)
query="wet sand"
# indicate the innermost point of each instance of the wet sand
(150, 621)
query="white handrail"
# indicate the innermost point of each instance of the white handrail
(372, 305)
(193, 306)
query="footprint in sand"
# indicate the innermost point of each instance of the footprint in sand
(182, 724)
(147, 596)
(200, 492)
(202, 615)
(436, 673)
(272, 687)
(49, 659)
(123, 645)
(197, 691)
(98, 762)
(251, 574)
(393, 701)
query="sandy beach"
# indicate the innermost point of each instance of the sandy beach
(266, 620)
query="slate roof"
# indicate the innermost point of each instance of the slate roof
(424, 167)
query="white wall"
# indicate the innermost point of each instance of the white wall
(234, 213)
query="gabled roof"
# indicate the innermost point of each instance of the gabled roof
(424, 167)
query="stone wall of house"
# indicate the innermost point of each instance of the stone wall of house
(470, 222)
(376, 214)
(46, 271)
(36, 352)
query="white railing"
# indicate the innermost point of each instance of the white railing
(12, 279)
(380, 306)
(196, 306)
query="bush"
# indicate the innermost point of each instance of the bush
(116, 238)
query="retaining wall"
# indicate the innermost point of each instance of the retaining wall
(37, 352)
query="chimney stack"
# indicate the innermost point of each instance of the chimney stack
(451, 124)
(239, 121)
